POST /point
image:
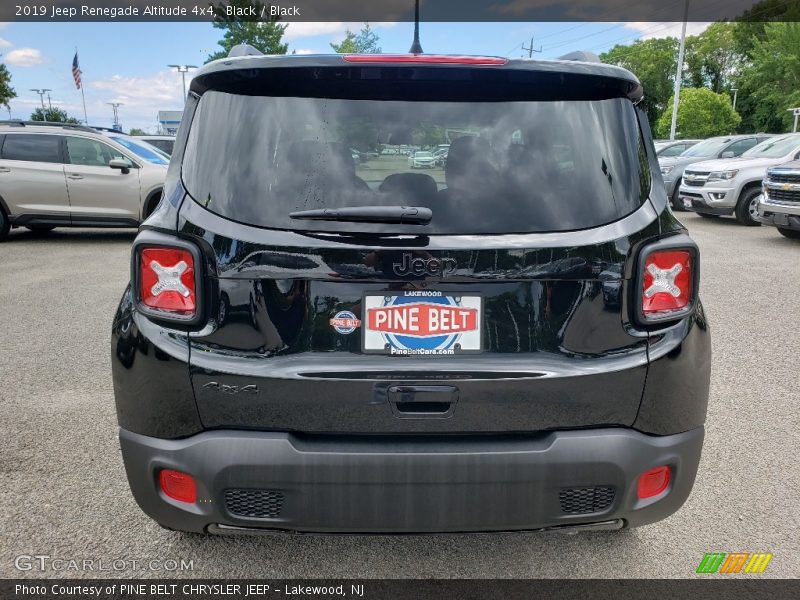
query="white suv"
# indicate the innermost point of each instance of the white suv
(733, 185)
(59, 175)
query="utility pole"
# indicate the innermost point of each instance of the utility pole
(115, 106)
(679, 73)
(530, 49)
(183, 69)
(41, 93)
(735, 94)
(49, 102)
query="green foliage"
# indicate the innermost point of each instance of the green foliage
(654, 62)
(54, 115)
(264, 36)
(363, 42)
(712, 59)
(772, 80)
(7, 93)
(137, 131)
(701, 114)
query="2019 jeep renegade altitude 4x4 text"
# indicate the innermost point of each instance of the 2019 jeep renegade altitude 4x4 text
(510, 341)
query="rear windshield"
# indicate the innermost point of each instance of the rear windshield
(511, 167)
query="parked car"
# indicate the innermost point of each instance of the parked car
(666, 148)
(717, 147)
(731, 186)
(61, 175)
(779, 203)
(523, 349)
(165, 143)
(422, 159)
(440, 156)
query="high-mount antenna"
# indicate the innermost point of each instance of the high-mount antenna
(416, 47)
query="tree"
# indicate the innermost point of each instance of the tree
(264, 35)
(7, 93)
(653, 61)
(712, 58)
(137, 131)
(363, 42)
(54, 115)
(701, 114)
(772, 79)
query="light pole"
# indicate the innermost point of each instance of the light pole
(41, 93)
(796, 113)
(679, 73)
(735, 94)
(183, 69)
(115, 106)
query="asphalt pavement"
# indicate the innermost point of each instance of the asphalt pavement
(63, 491)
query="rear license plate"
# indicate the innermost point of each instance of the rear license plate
(687, 202)
(423, 323)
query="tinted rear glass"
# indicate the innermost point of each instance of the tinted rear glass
(32, 147)
(510, 167)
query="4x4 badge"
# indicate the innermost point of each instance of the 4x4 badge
(231, 389)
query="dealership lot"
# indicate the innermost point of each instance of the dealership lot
(64, 492)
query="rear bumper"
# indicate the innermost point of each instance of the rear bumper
(397, 484)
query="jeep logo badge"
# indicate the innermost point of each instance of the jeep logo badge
(424, 266)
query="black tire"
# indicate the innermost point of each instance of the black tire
(708, 215)
(747, 207)
(40, 228)
(676, 201)
(793, 234)
(5, 226)
(151, 204)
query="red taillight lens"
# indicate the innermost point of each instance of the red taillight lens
(667, 282)
(166, 280)
(178, 486)
(653, 482)
(440, 59)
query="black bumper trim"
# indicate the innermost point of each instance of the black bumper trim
(782, 220)
(414, 485)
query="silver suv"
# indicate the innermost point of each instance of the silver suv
(59, 175)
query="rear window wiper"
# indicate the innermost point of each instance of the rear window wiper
(414, 215)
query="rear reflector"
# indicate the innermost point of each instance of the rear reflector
(167, 281)
(653, 482)
(440, 59)
(178, 486)
(667, 283)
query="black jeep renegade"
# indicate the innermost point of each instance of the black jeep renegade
(319, 338)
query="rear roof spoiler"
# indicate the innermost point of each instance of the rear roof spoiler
(582, 55)
(244, 50)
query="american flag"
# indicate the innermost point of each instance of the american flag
(76, 71)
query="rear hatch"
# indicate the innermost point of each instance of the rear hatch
(353, 291)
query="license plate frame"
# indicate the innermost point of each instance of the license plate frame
(394, 344)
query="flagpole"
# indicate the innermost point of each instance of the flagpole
(83, 96)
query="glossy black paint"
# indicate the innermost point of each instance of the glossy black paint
(562, 347)
(152, 390)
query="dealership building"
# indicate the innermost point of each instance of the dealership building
(168, 121)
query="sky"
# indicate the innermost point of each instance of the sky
(127, 62)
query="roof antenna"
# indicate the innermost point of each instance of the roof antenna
(416, 47)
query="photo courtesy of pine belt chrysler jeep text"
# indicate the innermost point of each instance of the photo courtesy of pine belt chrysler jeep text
(320, 337)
